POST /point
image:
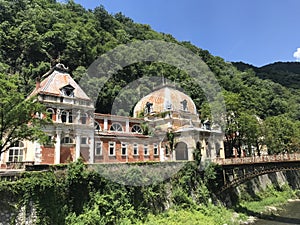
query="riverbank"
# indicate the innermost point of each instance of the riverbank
(264, 204)
(201, 215)
(287, 215)
(267, 203)
(272, 213)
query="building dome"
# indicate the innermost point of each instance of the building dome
(165, 99)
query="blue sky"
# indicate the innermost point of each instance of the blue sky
(257, 32)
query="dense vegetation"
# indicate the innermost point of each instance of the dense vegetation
(77, 195)
(36, 34)
(284, 73)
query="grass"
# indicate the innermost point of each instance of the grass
(202, 215)
(269, 197)
(219, 215)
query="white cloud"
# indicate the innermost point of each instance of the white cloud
(297, 54)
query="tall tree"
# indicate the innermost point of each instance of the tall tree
(20, 117)
(281, 134)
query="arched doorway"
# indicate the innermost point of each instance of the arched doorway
(181, 151)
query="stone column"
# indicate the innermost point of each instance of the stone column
(77, 151)
(127, 126)
(190, 153)
(57, 147)
(161, 153)
(78, 117)
(105, 124)
(91, 149)
(58, 116)
(37, 152)
(222, 150)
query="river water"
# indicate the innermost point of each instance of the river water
(289, 216)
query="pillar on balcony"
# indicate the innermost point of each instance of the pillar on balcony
(91, 149)
(58, 116)
(127, 126)
(77, 151)
(57, 147)
(105, 124)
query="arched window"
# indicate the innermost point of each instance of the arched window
(136, 129)
(50, 112)
(148, 108)
(70, 117)
(184, 105)
(83, 118)
(97, 126)
(67, 140)
(68, 91)
(16, 152)
(116, 127)
(217, 147)
(64, 117)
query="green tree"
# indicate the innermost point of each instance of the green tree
(280, 133)
(233, 107)
(250, 131)
(20, 118)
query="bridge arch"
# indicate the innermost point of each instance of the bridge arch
(244, 173)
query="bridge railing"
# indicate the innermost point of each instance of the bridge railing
(258, 159)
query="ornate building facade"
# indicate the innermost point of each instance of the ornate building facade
(165, 126)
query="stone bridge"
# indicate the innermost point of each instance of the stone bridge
(236, 171)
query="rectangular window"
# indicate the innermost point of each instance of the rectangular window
(70, 117)
(124, 148)
(83, 119)
(112, 148)
(84, 141)
(64, 117)
(135, 149)
(98, 148)
(146, 150)
(15, 155)
(167, 151)
(155, 149)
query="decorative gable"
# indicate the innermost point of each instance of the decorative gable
(57, 82)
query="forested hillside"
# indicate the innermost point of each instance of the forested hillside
(284, 73)
(35, 34)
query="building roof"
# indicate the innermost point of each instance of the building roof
(56, 79)
(165, 99)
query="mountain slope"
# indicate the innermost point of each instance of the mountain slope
(37, 33)
(284, 73)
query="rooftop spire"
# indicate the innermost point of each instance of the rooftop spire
(61, 67)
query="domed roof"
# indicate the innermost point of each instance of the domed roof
(165, 99)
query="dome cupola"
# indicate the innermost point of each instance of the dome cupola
(164, 99)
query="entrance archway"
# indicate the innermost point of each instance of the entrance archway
(181, 151)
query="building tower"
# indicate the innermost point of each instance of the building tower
(72, 133)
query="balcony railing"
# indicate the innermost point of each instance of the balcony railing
(18, 165)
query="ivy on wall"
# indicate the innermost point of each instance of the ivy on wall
(80, 195)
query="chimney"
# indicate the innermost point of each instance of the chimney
(38, 82)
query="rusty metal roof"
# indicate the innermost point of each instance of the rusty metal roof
(165, 99)
(55, 81)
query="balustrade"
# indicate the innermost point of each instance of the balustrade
(258, 159)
